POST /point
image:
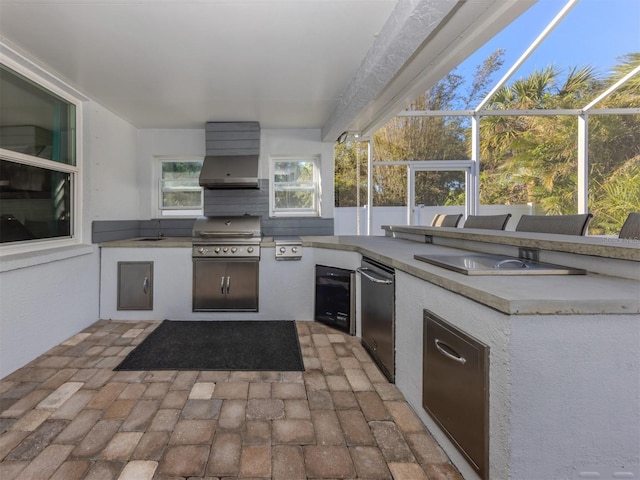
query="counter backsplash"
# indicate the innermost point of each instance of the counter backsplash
(110, 230)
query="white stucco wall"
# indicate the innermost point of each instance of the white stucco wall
(576, 390)
(285, 292)
(110, 179)
(42, 305)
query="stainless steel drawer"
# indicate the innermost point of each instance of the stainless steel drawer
(455, 388)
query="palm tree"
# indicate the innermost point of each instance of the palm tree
(536, 152)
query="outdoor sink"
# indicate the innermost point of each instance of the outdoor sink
(150, 239)
(488, 264)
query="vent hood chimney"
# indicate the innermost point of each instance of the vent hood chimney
(233, 151)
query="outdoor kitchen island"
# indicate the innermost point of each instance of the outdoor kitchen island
(564, 366)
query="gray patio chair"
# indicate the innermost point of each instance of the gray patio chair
(631, 227)
(487, 222)
(446, 220)
(559, 224)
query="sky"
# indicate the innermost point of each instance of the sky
(594, 33)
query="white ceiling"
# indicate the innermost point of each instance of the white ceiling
(181, 63)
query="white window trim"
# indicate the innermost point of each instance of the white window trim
(297, 212)
(24, 67)
(156, 184)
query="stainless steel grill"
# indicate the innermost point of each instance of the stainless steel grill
(226, 256)
(227, 237)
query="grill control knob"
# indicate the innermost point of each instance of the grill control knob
(282, 249)
(225, 249)
(294, 249)
(201, 250)
(250, 249)
(217, 249)
(234, 249)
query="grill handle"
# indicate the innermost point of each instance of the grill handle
(373, 276)
(222, 285)
(228, 285)
(226, 234)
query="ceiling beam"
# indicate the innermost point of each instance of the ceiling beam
(422, 41)
(403, 32)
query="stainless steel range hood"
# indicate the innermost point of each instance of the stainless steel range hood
(231, 171)
(232, 155)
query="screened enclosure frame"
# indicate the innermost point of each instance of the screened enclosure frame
(472, 200)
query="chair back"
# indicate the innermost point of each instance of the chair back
(631, 227)
(446, 220)
(488, 222)
(558, 224)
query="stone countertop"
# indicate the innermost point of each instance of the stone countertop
(600, 246)
(513, 295)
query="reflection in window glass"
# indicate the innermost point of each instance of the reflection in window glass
(295, 186)
(34, 121)
(35, 203)
(181, 193)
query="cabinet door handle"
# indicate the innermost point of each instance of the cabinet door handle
(369, 274)
(449, 352)
(228, 285)
(222, 285)
(145, 285)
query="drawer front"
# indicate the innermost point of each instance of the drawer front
(456, 388)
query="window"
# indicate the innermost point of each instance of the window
(38, 165)
(295, 186)
(180, 190)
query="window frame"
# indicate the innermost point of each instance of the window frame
(157, 188)
(52, 85)
(295, 212)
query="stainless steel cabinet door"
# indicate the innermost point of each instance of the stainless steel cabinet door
(220, 285)
(135, 285)
(241, 286)
(209, 278)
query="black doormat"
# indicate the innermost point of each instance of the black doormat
(221, 345)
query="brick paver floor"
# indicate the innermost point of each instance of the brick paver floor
(67, 415)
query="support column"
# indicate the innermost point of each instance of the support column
(369, 185)
(583, 163)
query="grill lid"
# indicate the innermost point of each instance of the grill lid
(211, 228)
